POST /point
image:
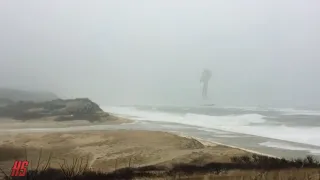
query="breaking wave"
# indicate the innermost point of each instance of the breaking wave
(251, 124)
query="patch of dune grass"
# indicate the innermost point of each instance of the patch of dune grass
(7, 153)
(257, 167)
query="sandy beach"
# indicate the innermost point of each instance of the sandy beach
(108, 150)
(213, 143)
(49, 122)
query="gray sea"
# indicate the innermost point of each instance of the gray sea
(280, 132)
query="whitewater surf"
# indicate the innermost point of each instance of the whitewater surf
(296, 126)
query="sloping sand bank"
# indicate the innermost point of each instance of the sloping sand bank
(116, 149)
(107, 150)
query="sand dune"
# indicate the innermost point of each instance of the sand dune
(106, 149)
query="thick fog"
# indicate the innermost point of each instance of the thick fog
(153, 52)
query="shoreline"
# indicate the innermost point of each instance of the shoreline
(180, 134)
(212, 143)
(105, 148)
(80, 126)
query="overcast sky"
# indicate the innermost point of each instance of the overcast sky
(261, 52)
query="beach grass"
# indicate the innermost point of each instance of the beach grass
(198, 161)
(255, 167)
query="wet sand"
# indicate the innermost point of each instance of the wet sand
(7, 123)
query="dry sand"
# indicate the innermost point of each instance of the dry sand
(113, 149)
(49, 122)
(107, 150)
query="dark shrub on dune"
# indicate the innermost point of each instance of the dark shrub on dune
(265, 162)
(254, 162)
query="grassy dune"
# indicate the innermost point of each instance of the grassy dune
(255, 167)
(129, 154)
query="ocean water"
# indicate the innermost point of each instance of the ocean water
(281, 129)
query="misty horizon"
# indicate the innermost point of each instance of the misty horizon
(262, 53)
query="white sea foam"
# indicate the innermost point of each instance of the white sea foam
(284, 111)
(289, 111)
(189, 118)
(232, 123)
(281, 145)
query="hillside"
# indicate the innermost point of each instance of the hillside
(21, 95)
(59, 109)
